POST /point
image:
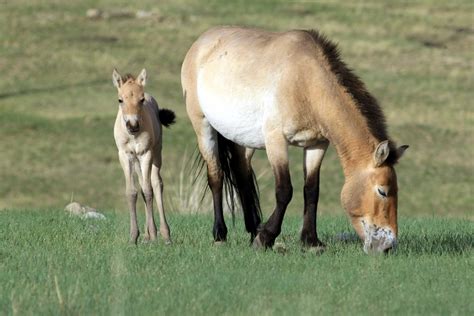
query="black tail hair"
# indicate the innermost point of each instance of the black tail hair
(235, 180)
(240, 181)
(166, 117)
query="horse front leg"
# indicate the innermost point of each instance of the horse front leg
(145, 161)
(131, 193)
(313, 156)
(277, 152)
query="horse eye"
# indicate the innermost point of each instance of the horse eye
(381, 192)
(120, 100)
(142, 100)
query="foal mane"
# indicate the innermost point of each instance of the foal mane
(365, 102)
(127, 77)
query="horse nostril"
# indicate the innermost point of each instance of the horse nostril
(133, 128)
(389, 250)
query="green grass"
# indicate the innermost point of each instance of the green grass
(57, 102)
(57, 110)
(51, 263)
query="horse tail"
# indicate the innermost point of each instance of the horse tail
(166, 117)
(240, 178)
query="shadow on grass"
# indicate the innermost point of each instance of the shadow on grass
(445, 243)
(438, 244)
(51, 89)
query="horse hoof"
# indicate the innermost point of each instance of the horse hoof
(280, 247)
(220, 243)
(168, 242)
(257, 243)
(316, 250)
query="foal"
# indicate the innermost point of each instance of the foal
(138, 136)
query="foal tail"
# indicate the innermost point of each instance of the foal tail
(166, 117)
(241, 178)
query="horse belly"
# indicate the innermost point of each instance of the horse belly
(236, 116)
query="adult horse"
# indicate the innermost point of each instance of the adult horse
(248, 89)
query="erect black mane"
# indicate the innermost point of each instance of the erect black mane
(365, 102)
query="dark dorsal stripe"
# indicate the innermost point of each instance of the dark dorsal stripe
(365, 102)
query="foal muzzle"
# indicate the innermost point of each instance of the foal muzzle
(132, 123)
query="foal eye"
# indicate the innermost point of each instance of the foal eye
(142, 100)
(120, 100)
(382, 192)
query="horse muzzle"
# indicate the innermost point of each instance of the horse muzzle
(378, 239)
(133, 129)
(132, 124)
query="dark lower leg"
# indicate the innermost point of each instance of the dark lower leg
(284, 192)
(309, 235)
(219, 230)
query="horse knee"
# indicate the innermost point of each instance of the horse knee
(148, 195)
(284, 193)
(215, 178)
(131, 194)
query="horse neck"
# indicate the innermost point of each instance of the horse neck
(350, 134)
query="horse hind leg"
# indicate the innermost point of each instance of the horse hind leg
(313, 156)
(246, 187)
(208, 146)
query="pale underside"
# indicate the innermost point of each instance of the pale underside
(246, 98)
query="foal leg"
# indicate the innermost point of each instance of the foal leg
(138, 172)
(277, 152)
(157, 184)
(131, 194)
(313, 156)
(146, 166)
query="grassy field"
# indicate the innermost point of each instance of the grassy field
(57, 102)
(51, 263)
(57, 109)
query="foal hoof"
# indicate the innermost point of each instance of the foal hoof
(168, 241)
(220, 243)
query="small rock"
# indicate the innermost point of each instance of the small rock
(93, 214)
(74, 208)
(94, 14)
(142, 14)
(83, 211)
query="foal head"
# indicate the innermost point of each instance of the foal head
(131, 97)
(370, 196)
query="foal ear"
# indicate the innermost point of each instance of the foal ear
(117, 79)
(401, 150)
(381, 153)
(141, 79)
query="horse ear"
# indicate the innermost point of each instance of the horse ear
(141, 79)
(381, 153)
(117, 79)
(401, 150)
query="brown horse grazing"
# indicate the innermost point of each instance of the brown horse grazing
(248, 89)
(138, 135)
